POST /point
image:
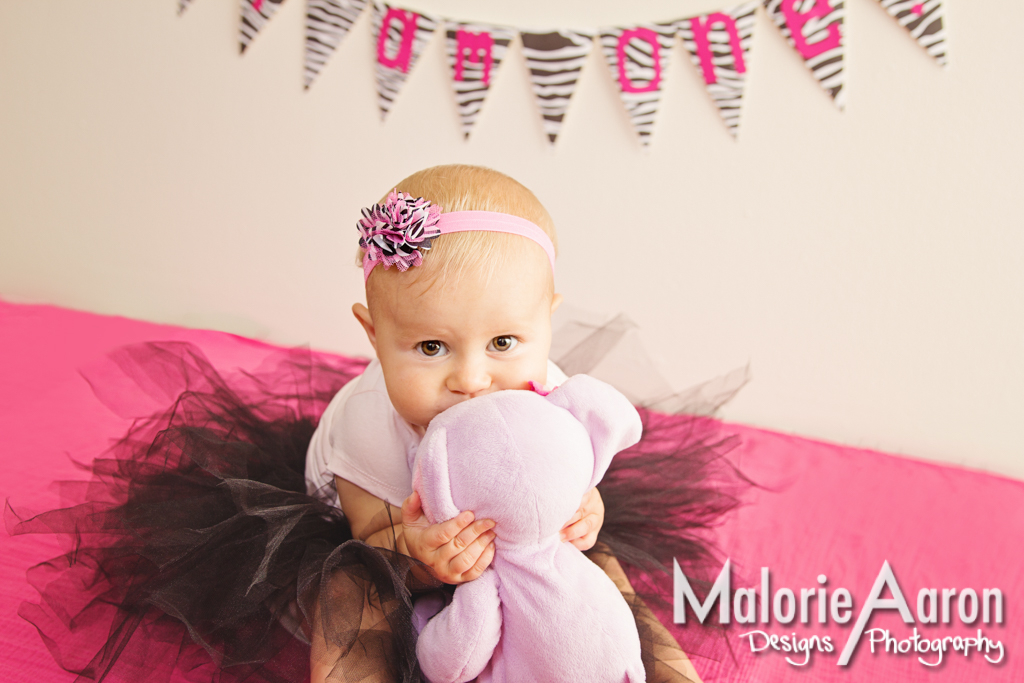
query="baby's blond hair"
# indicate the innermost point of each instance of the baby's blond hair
(461, 187)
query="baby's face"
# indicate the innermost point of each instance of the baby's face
(441, 346)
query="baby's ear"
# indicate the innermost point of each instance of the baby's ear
(362, 314)
(431, 477)
(608, 416)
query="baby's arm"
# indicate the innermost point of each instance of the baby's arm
(367, 514)
(457, 644)
(456, 551)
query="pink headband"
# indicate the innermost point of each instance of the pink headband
(397, 232)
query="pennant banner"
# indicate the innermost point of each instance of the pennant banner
(638, 57)
(255, 15)
(327, 22)
(475, 52)
(815, 29)
(400, 36)
(555, 60)
(719, 46)
(924, 21)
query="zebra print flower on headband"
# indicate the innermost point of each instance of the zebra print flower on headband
(394, 233)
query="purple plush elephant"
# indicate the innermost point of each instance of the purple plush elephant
(542, 611)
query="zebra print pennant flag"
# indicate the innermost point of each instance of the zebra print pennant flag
(638, 57)
(255, 15)
(924, 21)
(475, 52)
(719, 46)
(815, 29)
(400, 37)
(327, 22)
(555, 60)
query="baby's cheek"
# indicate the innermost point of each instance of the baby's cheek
(520, 374)
(416, 401)
(538, 371)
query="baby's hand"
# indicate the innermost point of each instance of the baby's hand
(456, 551)
(582, 529)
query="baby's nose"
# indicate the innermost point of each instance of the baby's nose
(469, 378)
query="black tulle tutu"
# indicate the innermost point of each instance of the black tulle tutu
(195, 551)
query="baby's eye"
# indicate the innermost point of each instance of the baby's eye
(503, 343)
(432, 348)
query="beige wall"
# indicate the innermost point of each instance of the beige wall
(147, 170)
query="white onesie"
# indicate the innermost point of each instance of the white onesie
(362, 439)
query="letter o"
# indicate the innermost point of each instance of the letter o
(651, 38)
(962, 605)
(777, 605)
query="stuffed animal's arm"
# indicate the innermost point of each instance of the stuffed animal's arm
(457, 644)
(611, 420)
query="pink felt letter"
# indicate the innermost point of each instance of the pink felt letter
(652, 38)
(797, 20)
(700, 36)
(474, 44)
(402, 58)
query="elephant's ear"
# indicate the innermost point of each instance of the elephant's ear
(431, 477)
(607, 415)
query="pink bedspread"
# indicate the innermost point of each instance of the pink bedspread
(823, 509)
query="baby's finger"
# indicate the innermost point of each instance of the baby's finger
(412, 509)
(481, 564)
(579, 529)
(440, 534)
(585, 542)
(575, 518)
(471, 533)
(465, 561)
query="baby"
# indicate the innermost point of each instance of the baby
(450, 317)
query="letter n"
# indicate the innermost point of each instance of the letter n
(700, 37)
